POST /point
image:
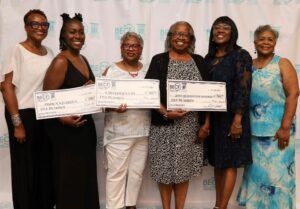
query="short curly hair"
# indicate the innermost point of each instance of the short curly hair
(262, 28)
(31, 12)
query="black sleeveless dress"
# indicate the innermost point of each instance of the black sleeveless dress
(74, 155)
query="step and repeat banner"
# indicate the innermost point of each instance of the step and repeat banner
(106, 21)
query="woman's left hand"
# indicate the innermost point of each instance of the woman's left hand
(235, 131)
(203, 133)
(283, 137)
(176, 114)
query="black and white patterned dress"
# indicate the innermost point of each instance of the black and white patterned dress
(175, 154)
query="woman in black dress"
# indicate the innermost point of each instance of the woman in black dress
(73, 138)
(229, 142)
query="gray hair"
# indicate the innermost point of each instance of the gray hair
(263, 28)
(191, 48)
(128, 35)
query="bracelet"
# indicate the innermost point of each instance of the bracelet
(165, 115)
(234, 125)
(16, 120)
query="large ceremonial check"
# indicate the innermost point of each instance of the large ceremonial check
(196, 95)
(135, 93)
(65, 102)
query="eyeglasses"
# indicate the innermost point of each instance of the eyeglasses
(36, 25)
(131, 46)
(180, 34)
(222, 27)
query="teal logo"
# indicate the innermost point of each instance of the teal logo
(251, 36)
(146, 1)
(92, 29)
(4, 142)
(138, 28)
(209, 184)
(163, 34)
(51, 26)
(237, 2)
(99, 68)
(150, 1)
(282, 2)
(51, 29)
(198, 1)
(207, 32)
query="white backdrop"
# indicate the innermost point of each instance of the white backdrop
(107, 20)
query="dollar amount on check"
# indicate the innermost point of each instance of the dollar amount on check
(196, 95)
(135, 93)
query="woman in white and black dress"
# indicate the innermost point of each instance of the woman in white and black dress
(175, 156)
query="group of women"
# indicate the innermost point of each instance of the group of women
(256, 132)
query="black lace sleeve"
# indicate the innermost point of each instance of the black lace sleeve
(242, 82)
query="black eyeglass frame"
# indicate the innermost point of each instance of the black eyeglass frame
(36, 25)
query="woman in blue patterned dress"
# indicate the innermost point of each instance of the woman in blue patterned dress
(270, 181)
(229, 145)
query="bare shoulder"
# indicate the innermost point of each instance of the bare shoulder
(285, 61)
(287, 69)
(59, 63)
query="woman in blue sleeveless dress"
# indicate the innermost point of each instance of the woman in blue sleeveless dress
(270, 181)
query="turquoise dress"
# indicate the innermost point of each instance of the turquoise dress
(269, 183)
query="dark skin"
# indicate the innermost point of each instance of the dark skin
(74, 38)
(225, 178)
(33, 43)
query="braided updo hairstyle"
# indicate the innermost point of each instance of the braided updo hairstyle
(67, 19)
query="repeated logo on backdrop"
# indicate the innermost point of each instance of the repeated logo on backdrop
(237, 2)
(4, 141)
(121, 30)
(163, 34)
(285, 2)
(198, 1)
(209, 184)
(91, 29)
(99, 68)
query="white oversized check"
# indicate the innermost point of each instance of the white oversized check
(135, 93)
(65, 102)
(196, 95)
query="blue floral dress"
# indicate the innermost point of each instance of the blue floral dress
(269, 183)
(235, 70)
